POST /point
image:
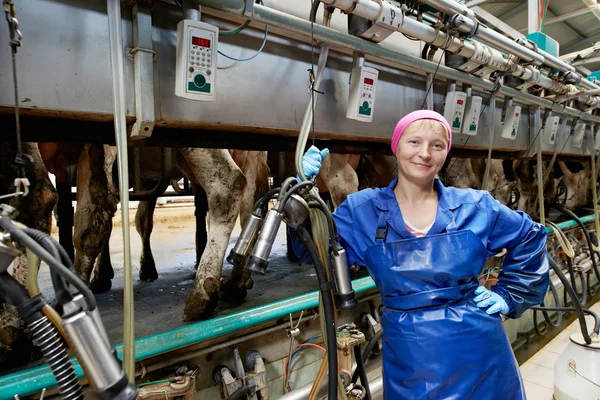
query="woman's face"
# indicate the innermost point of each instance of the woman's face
(422, 150)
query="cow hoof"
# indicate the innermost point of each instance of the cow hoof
(148, 275)
(201, 304)
(101, 285)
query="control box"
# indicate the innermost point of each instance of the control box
(454, 110)
(550, 130)
(578, 134)
(511, 122)
(361, 99)
(196, 68)
(472, 112)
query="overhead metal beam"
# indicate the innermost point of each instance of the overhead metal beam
(568, 24)
(514, 11)
(563, 17)
(581, 44)
(497, 23)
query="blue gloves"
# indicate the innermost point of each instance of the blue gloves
(312, 160)
(486, 298)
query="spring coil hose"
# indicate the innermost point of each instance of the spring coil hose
(55, 354)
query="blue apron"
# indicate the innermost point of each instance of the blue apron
(437, 343)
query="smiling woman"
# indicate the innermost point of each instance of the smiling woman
(425, 245)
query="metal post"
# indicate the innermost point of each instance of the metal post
(533, 15)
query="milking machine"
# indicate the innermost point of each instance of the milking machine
(294, 202)
(77, 326)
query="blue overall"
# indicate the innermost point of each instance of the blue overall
(437, 343)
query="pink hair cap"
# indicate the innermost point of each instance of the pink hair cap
(415, 116)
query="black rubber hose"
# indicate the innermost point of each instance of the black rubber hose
(574, 299)
(424, 51)
(572, 215)
(585, 310)
(260, 203)
(313, 10)
(21, 237)
(11, 291)
(368, 350)
(242, 392)
(60, 288)
(360, 367)
(325, 288)
(559, 315)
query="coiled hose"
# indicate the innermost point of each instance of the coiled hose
(559, 315)
(45, 334)
(55, 354)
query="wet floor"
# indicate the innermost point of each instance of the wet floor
(159, 304)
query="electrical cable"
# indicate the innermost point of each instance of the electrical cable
(21, 237)
(262, 46)
(236, 30)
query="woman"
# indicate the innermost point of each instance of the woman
(425, 246)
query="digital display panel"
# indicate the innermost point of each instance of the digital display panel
(200, 42)
(368, 81)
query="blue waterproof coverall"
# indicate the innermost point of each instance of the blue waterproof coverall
(437, 343)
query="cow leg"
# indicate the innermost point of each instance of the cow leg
(144, 224)
(96, 206)
(103, 271)
(339, 176)
(256, 172)
(200, 212)
(224, 183)
(64, 220)
(35, 212)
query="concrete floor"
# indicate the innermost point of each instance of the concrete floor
(159, 304)
(538, 371)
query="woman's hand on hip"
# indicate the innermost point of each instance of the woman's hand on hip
(487, 298)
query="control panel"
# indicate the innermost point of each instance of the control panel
(550, 130)
(361, 99)
(578, 134)
(195, 75)
(454, 110)
(511, 122)
(472, 112)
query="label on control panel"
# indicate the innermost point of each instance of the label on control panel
(511, 122)
(471, 119)
(361, 99)
(454, 110)
(550, 130)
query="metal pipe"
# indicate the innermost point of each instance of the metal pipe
(376, 387)
(540, 171)
(116, 56)
(303, 27)
(485, 34)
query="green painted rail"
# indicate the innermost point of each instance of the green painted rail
(35, 379)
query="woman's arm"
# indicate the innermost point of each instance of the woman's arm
(524, 278)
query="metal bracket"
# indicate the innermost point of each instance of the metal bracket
(249, 10)
(143, 58)
(130, 52)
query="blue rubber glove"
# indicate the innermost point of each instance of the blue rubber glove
(495, 302)
(312, 160)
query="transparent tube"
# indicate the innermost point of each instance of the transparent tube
(115, 36)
